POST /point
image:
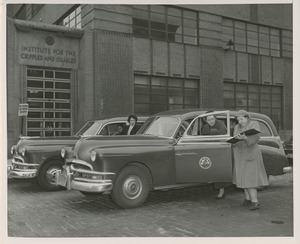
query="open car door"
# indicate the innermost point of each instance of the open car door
(204, 158)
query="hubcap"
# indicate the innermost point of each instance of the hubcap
(50, 174)
(132, 187)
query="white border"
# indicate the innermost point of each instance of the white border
(3, 134)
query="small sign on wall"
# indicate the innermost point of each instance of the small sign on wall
(23, 109)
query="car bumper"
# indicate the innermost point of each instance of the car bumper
(67, 178)
(288, 169)
(19, 169)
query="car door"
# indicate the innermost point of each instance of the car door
(204, 158)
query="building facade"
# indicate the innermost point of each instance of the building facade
(72, 63)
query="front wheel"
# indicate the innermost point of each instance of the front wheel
(46, 175)
(131, 187)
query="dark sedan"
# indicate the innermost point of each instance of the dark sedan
(169, 152)
(39, 157)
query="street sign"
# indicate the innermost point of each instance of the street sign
(23, 109)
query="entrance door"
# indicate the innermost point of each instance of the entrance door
(49, 99)
(204, 158)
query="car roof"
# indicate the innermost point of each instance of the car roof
(119, 118)
(185, 113)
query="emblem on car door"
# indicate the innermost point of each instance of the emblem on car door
(205, 162)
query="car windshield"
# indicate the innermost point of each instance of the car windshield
(89, 129)
(160, 126)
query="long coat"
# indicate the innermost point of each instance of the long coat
(248, 167)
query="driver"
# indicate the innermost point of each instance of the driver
(213, 126)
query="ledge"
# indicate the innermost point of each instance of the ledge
(62, 30)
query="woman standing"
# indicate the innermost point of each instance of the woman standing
(248, 170)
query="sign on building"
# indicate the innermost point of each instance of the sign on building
(23, 109)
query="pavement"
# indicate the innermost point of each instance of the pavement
(191, 212)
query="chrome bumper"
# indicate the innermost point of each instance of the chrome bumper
(287, 169)
(19, 169)
(66, 178)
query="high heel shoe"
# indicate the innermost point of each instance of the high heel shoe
(220, 197)
(254, 206)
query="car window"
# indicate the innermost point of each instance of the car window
(89, 129)
(265, 130)
(195, 127)
(212, 124)
(233, 123)
(162, 126)
(112, 129)
(139, 126)
(182, 128)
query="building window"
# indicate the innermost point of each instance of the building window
(252, 38)
(49, 99)
(35, 8)
(266, 99)
(165, 23)
(240, 38)
(28, 11)
(21, 14)
(156, 94)
(287, 43)
(73, 18)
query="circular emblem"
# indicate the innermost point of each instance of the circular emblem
(205, 162)
(50, 40)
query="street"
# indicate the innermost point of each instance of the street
(191, 212)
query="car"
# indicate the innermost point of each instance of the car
(168, 152)
(39, 157)
(288, 148)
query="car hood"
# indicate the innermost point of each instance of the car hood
(47, 141)
(110, 142)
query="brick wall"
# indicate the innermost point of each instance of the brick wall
(160, 58)
(142, 55)
(117, 18)
(13, 86)
(84, 108)
(277, 15)
(107, 66)
(212, 77)
(113, 73)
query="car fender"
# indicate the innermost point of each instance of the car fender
(158, 159)
(274, 160)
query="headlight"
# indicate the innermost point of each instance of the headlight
(13, 148)
(93, 155)
(22, 151)
(63, 152)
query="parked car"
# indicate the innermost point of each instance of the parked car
(169, 152)
(39, 157)
(288, 148)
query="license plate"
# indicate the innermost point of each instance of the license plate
(62, 178)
